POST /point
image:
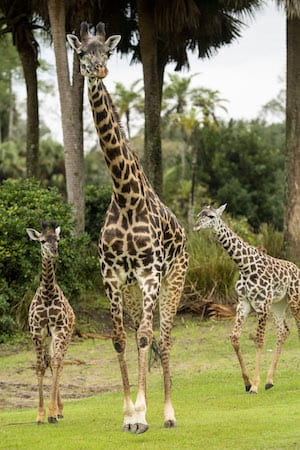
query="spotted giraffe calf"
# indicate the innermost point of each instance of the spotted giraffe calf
(265, 285)
(51, 323)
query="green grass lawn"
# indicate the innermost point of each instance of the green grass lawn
(212, 409)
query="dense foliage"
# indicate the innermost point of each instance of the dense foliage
(239, 163)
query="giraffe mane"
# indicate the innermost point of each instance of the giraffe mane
(117, 116)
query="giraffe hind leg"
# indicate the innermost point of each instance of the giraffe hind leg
(119, 341)
(278, 313)
(170, 294)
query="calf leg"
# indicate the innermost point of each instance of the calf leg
(278, 312)
(243, 310)
(40, 372)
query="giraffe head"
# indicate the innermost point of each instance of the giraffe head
(49, 238)
(209, 217)
(93, 51)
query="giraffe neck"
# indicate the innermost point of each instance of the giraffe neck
(238, 250)
(48, 274)
(127, 174)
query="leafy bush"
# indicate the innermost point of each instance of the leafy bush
(24, 203)
(7, 324)
(212, 273)
(97, 200)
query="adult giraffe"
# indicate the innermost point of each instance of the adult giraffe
(141, 243)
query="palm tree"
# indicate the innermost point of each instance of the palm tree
(71, 95)
(126, 100)
(167, 30)
(176, 95)
(208, 101)
(292, 209)
(17, 18)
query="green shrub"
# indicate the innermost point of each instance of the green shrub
(24, 203)
(7, 324)
(211, 272)
(97, 200)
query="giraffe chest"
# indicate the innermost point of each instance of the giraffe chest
(134, 243)
(48, 311)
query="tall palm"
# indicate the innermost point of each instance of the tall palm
(174, 106)
(17, 18)
(292, 209)
(167, 30)
(209, 102)
(176, 93)
(71, 94)
(126, 100)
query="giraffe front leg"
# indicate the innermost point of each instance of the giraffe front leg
(140, 422)
(243, 310)
(144, 337)
(60, 405)
(40, 372)
(54, 393)
(41, 408)
(59, 345)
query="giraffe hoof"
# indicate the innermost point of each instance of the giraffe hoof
(39, 422)
(60, 416)
(248, 387)
(139, 428)
(170, 423)
(52, 420)
(269, 386)
(126, 427)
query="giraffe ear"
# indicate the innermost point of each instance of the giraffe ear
(221, 210)
(113, 41)
(57, 232)
(74, 42)
(33, 234)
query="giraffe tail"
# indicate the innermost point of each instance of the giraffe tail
(216, 311)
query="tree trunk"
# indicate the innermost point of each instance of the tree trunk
(70, 112)
(25, 44)
(292, 211)
(153, 77)
(11, 111)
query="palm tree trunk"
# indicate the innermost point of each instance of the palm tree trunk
(153, 74)
(292, 210)
(70, 111)
(25, 44)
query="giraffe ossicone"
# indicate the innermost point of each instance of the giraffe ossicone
(141, 242)
(51, 323)
(266, 285)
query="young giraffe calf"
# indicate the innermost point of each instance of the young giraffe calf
(51, 323)
(266, 285)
